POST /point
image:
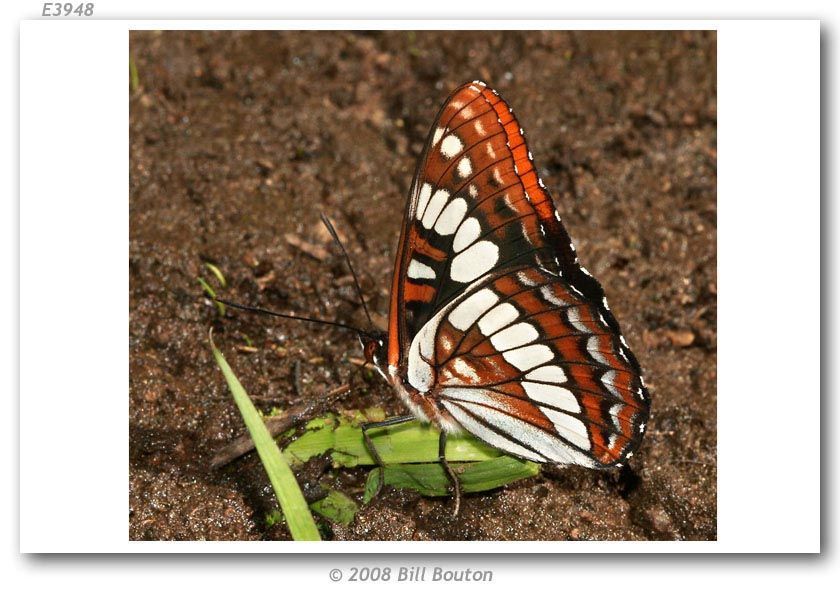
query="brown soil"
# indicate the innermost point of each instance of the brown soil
(239, 138)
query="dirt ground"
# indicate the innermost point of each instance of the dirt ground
(241, 138)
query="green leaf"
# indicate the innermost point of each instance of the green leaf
(274, 517)
(289, 496)
(372, 485)
(337, 507)
(428, 479)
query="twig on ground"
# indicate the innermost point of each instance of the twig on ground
(275, 425)
(316, 252)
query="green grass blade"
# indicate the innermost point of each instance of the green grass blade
(292, 503)
(217, 273)
(208, 289)
(133, 75)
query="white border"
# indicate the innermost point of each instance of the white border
(74, 257)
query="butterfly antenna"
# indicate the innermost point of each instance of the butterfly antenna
(264, 311)
(334, 235)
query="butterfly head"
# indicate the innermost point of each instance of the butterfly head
(375, 346)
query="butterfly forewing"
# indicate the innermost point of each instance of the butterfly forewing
(492, 318)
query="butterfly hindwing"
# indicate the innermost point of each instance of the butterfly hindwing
(524, 347)
(491, 314)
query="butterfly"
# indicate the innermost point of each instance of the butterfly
(494, 326)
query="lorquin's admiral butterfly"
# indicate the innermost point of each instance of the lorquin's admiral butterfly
(494, 326)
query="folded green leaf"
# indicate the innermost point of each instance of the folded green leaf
(411, 442)
(431, 479)
(410, 454)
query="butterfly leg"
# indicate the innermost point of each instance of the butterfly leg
(453, 477)
(369, 443)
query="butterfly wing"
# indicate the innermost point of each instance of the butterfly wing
(475, 205)
(491, 313)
